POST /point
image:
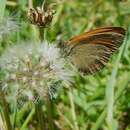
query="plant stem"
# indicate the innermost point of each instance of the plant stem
(43, 5)
(50, 113)
(40, 117)
(28, 118)
(5, 111)
(30, 3)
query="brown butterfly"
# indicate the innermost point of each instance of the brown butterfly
(90, 51)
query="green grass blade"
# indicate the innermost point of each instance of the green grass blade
(110, 90)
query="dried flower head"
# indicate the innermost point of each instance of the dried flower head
(34, 70)
(7, 25)
(40, 17)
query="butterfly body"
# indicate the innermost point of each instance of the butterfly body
(90, 51)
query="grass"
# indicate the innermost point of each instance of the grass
(96, 102)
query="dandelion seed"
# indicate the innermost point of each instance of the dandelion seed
(26, 58)
(5, 87)
(24, 79)
(6, 26)
(25, 69)
(36, 73)
(29, 95)
(13, 76)
(42, 64)
(41, 83)
(33, 83)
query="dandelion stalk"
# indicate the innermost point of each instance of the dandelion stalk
(40, 117)
(30, 3)
(49, 106)
(5, 111)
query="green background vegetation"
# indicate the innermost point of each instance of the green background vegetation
(95, 102)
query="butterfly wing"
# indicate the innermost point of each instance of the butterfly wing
(90, 51)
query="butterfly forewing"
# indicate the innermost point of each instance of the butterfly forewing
(90, 51)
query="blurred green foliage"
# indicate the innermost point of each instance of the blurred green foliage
(89, 104)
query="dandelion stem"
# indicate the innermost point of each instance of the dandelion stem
(30, 3)
(5, 111)
(45, 34)
(40, 117)
(50, 113)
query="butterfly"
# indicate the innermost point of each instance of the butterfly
(90, 51)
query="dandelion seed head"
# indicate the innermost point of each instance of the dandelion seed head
(39, 71)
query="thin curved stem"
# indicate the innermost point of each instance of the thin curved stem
(50, 113)
(43, 5)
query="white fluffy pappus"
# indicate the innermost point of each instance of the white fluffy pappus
(36, 69)
(7, 25)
